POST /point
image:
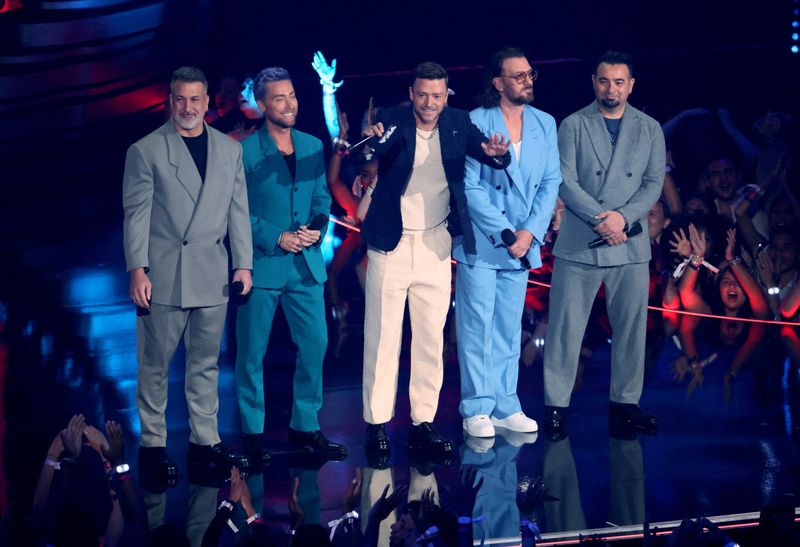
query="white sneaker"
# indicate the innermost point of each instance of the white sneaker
(516, 422)
(479, 426)
(477, 444)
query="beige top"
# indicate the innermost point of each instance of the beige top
(426, 201)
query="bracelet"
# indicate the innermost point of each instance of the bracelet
(774, 290)
(55, 464)
(694, 360)
(735, 260)
(695, 265)
(343, 142)
(122, 468)
(255, 517)
(368, 190)
(226, 503)
(342, 151)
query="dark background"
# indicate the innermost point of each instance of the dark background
(77, 86)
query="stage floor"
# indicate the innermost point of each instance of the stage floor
(70, 345)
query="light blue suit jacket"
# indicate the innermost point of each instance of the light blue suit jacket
(520, 197)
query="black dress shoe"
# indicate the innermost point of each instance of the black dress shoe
(377, 439)
(633, 415)
(257, 454)
(315, 442)
(156, 468)
(425, 437)
(214, 458)
(553, 420)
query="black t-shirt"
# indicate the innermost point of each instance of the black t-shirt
(198, 148)
(291, 161)
(613, 128)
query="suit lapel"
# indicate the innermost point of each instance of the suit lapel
(215, 167)
(628, 134)
(515, 172)
(598, 134)
(185, 169)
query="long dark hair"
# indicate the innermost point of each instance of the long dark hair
(489, 96)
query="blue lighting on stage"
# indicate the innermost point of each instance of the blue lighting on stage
(795, 49)
(330, 243)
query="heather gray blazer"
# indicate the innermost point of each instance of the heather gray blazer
(175, 224)
(598, 177)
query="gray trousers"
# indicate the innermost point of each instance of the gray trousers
(157, 336)
(572, 294)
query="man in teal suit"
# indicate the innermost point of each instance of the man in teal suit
(491, 281)
(285, 174)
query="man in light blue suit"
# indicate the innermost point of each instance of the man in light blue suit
(510, 211)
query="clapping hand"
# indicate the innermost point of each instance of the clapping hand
(353, 492)
(72, 435)
(731, 247)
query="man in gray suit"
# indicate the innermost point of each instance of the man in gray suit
(183, 192)
(612, 163)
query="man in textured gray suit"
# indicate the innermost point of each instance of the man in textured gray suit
(183, 192)
(612, 163)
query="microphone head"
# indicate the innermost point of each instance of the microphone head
(318, 222)
(635, 229)
(237, 287)
(508, 237)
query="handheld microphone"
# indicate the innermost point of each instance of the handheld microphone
(633, 230)
(237, 288)
(509, 238)
(383, 139)
(318, 222)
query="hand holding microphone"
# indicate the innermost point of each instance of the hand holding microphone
(510, 238)
(633, 230)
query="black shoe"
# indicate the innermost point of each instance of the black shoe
(156, 468)
(377, 439)
(426, 461)
(633, 415)
(553, 419)
(257, 454)
(315, 442)
(425, 437)
(214, 458)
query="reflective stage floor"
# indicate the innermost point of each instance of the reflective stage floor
(722, 448)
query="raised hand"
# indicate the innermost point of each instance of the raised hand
(96, 439)
(385, 504)
(497, 145)
(238, 484)
(72, 435)
(326, 72)
(767, 270)
(731, 247)
(114, 451)
(344, 126)
(698, 239)
(680, 244)
(353, 492)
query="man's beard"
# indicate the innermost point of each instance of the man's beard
(522, 99)
(610, 103)
(280, 121)
(188, 124)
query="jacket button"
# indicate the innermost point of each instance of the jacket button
(185, 243)
(599, 173)
(629, 174)
(497, 187)
(295, 189)
(502, 212)
(218, 240)
(599, 201)
(295, 213)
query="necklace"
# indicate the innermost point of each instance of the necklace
(429, 137)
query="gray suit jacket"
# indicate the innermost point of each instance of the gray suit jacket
(597, 177)
(175, 224)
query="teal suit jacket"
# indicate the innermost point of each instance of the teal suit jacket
(279, 204)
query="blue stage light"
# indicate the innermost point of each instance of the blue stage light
(795, 49)
(795, 36)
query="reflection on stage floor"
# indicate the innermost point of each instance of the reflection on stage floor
(726, 443)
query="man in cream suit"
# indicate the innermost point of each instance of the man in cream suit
(491, 281)
(183, 192)
(612, 163)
